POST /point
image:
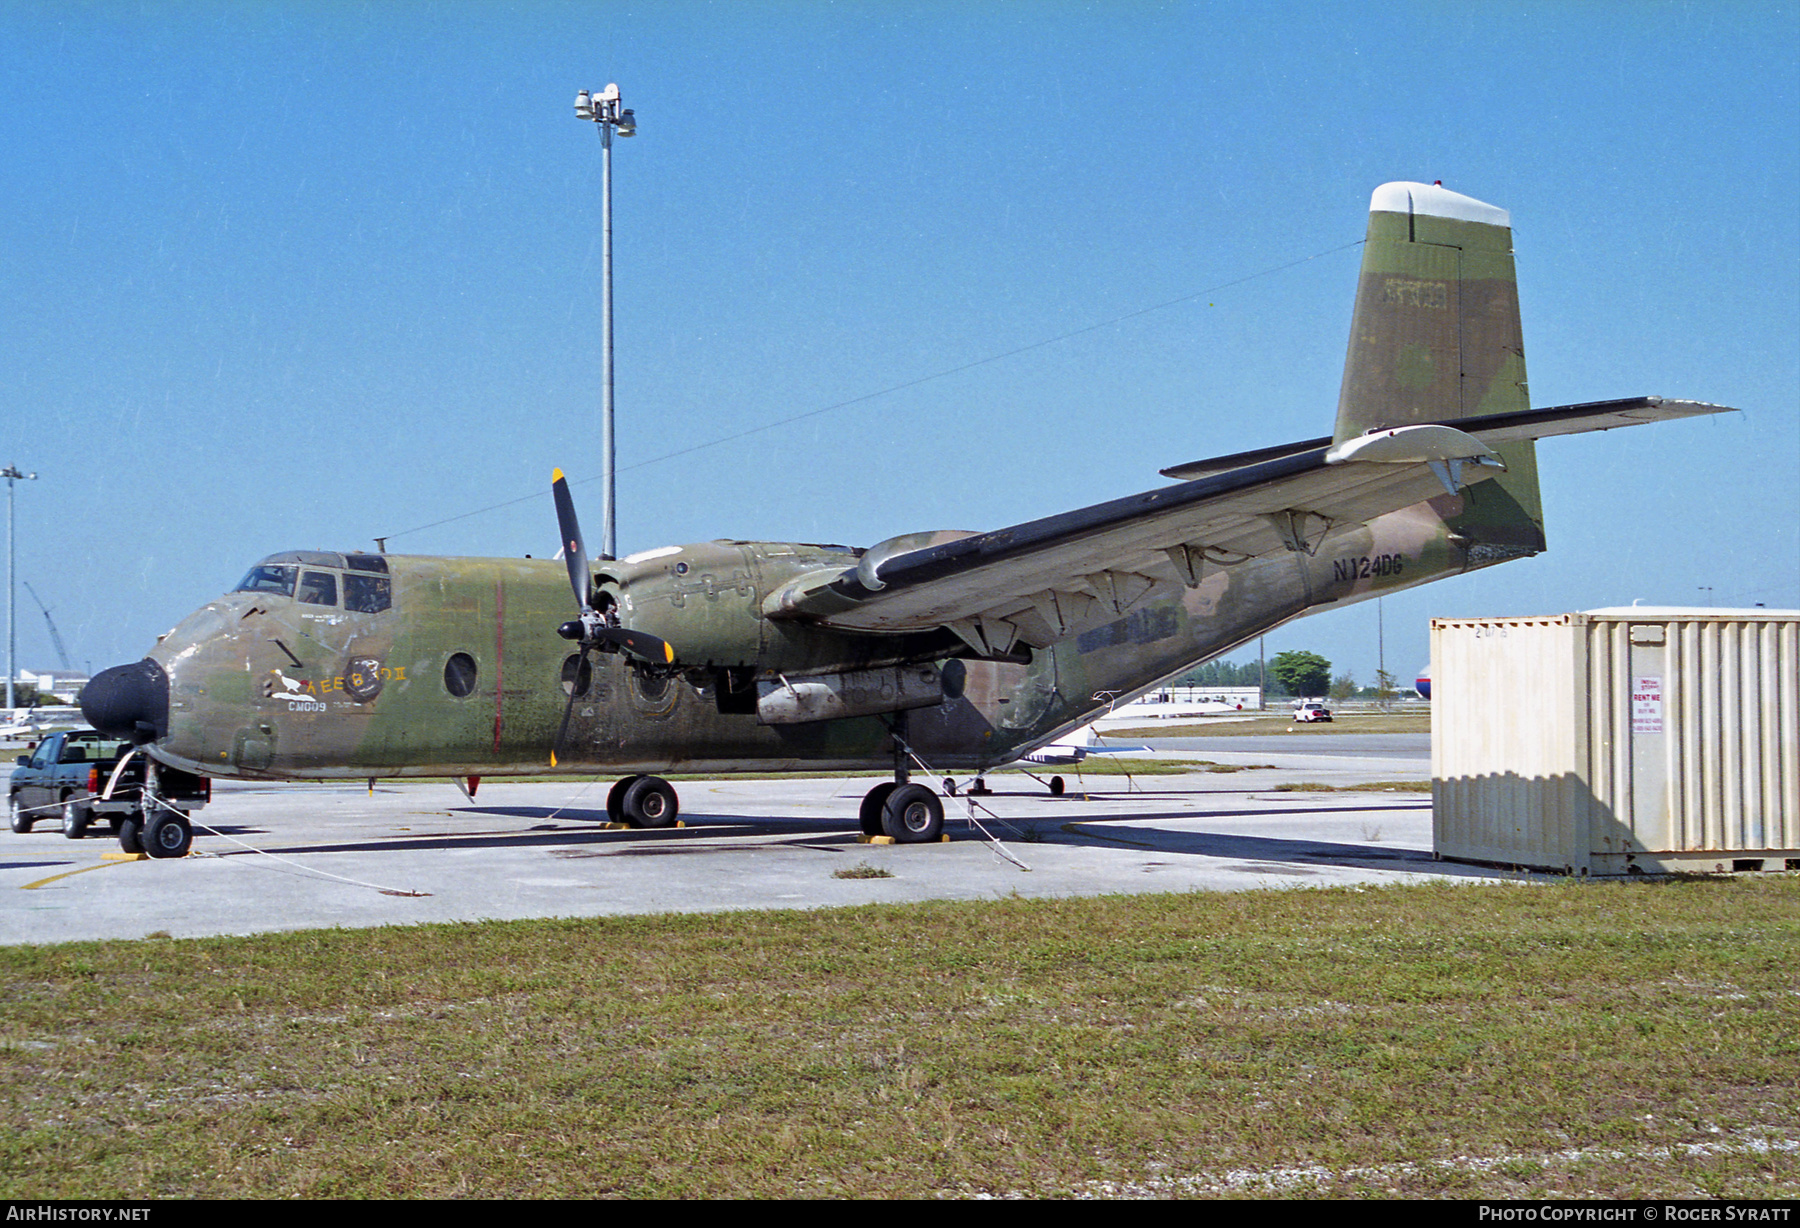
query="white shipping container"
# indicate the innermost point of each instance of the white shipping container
(1635, 740)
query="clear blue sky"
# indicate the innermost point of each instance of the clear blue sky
(297, 274)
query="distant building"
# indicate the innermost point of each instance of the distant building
(65, 684)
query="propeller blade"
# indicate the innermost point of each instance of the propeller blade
(568, 710)
(640, 644)
(574, 553)
(591, 628)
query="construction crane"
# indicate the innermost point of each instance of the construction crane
(62, 652)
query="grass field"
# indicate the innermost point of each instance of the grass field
(1623, 1040)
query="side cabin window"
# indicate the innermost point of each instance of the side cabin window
(367, 594)
(269, 578)
(317, 588)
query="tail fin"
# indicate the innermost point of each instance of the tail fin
(1435, 337)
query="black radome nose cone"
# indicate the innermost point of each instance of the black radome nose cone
(129, 701)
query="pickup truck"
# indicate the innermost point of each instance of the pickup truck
(67, 776)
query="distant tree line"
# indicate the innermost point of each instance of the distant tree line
(1287, 674)
(1294, 674)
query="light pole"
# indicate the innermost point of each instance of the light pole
(13, 477)
(603, 109)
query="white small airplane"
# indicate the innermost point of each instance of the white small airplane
(21, 727)
(1074, 747)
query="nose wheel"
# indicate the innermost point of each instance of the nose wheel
(168, 834)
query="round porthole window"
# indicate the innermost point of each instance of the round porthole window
(577, 676)
(459, 675)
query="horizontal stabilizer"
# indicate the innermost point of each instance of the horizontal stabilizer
(1587, 416)
(1495, 429)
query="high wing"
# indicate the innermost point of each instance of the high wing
(1039, 582)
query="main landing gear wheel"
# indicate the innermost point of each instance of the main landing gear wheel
(75, 819)
(870, 814)
(615, 798)
(168, 834)
(642, 801)
(650, 802)
(1056, 786)
(131, 834)
(912, 814)
(21, 821)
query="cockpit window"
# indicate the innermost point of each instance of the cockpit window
(366, 562)
(367, 594)
(269, 578)
(318, 588)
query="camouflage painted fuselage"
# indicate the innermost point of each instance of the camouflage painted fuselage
(267, 686)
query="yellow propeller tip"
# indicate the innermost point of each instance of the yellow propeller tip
(556, 475)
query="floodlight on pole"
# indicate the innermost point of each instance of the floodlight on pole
(13, 476)
(602, 108)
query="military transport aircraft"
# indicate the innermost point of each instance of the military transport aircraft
(941, 651)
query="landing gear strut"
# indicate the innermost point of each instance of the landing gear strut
(906, 813)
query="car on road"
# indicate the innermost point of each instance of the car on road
(1307, 713)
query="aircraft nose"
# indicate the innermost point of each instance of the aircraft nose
(129, 701)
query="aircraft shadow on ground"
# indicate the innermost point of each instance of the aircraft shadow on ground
(1265, 851)
(1293, 852)
(50, 864)
(702, 833)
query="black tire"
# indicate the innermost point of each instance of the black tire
(912, 814)
(1056, 786)
(615, 798)
(75, 819)
(650, 802)
(949, 786)
(20, 819)
(131, 834)
(168, 834)
(870, 814)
